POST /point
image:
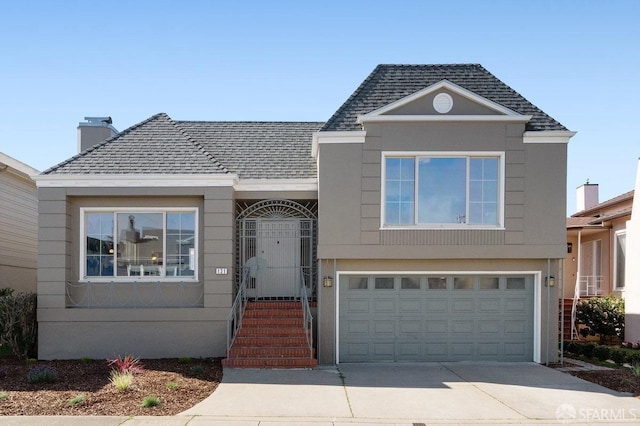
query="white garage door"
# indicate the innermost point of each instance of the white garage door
(435, 318)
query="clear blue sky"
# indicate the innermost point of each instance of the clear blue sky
(579, 61)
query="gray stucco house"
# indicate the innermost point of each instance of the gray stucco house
(424, 221)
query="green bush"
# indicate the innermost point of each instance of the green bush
(18, 324)
(587, 349)
(150, 401)
(572, 347)
(42, 374)
(601, 352)
(602, 316)
(618, 355)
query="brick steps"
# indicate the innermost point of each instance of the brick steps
(272, 336)
(568, 304)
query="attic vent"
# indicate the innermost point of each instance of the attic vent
(443, 103)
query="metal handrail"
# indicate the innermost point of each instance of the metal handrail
(307, 318)
(234, 319)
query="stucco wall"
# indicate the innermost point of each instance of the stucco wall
(67, 332)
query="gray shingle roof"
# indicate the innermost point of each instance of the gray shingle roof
(154, 146)
(160, 145)
(388, 83)
(276, 150)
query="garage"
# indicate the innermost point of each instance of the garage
(427, 317)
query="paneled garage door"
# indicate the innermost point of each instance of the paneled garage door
(435, 318)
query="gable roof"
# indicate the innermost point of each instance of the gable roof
(160, 145)
(389, 83)
(605, 211)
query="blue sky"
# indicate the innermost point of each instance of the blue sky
(295, 61)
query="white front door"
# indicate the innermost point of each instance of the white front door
(278, 248)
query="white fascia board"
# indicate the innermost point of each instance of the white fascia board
(452, 87)
(442, 118)
(132, 180)
(548, 136)
(266, 185)
(18, 166)
(336, 137)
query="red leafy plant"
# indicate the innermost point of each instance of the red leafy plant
(128, 364)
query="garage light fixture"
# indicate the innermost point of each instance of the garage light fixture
(327, 281)
(550, 281)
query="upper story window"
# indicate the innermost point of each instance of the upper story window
(436, 190)
(138, 243)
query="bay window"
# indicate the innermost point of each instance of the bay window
(442, 190)
(152, 243)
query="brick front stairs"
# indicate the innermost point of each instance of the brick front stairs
(272, 336)
(568, 305)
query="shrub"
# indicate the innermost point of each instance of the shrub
(602, 316)
(86, 360)
(572, 347)
(587, 349)
(78, 399)
(150, 401)
(6, 291)
(185, 360)
(635, 369)
(42, 374)
(618, 355)
(634, 359)
(172, 385)
(128, 364)
(197, 369)
(601, 352)
(18, 325)
(4, 395)
(122, 381)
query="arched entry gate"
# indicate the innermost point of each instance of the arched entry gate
(276, 243)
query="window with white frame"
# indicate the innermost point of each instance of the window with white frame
(442, 190)
(620, 257)
(153, 243)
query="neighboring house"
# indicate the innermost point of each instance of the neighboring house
(632, 271)
(18, 225)
(596, 250)
(423, 218)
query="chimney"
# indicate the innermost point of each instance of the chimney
(94, 131)
(587, 196)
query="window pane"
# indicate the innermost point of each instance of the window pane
(384, 283)
(489, 283)
(181, 236)
(358, 283)
(410, 283)
(399, 191)
(99, 244)
(437, 283)
(442, 190)
(463, 283)
(621, 255)
(515, 283)
(483, 191)
(140, 244)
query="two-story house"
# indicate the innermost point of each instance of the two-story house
(422, 222)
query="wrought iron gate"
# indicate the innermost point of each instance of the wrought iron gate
(276, 242)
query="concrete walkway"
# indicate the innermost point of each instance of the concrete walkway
(392, 394)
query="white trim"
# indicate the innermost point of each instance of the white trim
(17, 165)
(450, 118)
(115, 278)
(548, 136)
(445, 154)
(133, 180)
(505, 114)
(336, 137)
(537, 300)
(265, 185)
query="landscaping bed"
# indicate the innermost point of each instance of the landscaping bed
(83, 387)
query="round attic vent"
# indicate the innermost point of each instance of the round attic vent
(443, 103)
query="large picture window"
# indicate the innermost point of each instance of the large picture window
(139, 243)
(451, 190)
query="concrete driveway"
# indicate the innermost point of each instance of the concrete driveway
(513, 393)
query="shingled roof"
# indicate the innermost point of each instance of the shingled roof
(389, 83)
(160, 145)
